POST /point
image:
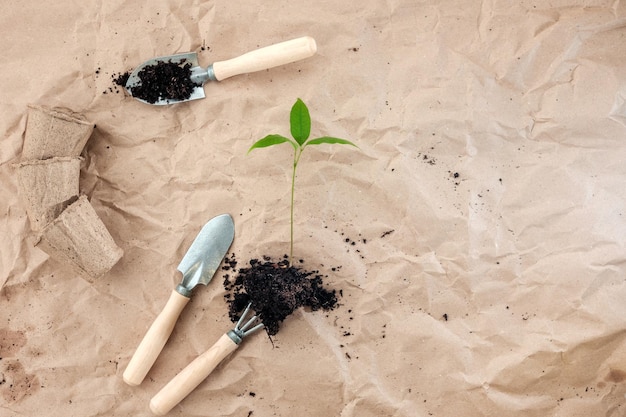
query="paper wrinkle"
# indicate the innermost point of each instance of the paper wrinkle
(618, 111)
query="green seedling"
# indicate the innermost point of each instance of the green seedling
(300, 121)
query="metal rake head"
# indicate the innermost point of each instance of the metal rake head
(240, 331)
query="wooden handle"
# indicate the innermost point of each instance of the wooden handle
(190, 377)
(154, 340)
(268, 57)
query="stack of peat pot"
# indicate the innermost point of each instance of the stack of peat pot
(67, 226)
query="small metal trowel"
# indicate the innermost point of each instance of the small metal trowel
(198, 267)
(257, 60)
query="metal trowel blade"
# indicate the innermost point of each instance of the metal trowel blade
(207, 252)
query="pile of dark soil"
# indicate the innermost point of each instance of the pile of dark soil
(164, 80)
(275, 290)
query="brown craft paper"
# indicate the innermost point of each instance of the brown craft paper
(54, 132)
(477, 235)
(78, 237)
(46, 187)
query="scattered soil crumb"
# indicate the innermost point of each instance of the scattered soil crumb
(119, 80)
(428, 159)
(275, 290)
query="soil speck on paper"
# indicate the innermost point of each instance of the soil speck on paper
(386, 233)
(275, 290)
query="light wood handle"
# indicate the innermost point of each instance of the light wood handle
(267, 57)
(190, 377)
(154, 340)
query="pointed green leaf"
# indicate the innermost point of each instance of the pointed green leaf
(270, 140)
(331, 140)
(300, 121)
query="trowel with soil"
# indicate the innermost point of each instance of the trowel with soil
(179, 78)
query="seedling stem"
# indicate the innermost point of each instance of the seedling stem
(300, 124)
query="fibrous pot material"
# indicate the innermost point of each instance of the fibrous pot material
(54, 131)
(78, 237)
(47, 186)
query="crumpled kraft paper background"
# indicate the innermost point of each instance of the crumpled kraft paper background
(477, 234)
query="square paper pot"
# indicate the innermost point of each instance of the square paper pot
(79, 238)
(46, 187)
(54, 132)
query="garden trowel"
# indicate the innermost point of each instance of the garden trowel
(260, 59)
(198, 267)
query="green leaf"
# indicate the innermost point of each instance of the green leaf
(300, 121)
(270, 140)
(331, 140)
